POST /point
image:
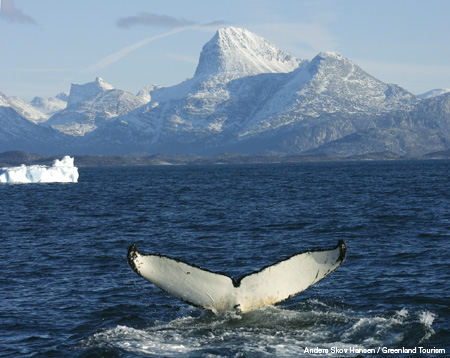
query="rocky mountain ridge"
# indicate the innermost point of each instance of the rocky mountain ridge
(247, 96)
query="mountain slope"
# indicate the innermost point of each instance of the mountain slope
(19, 133)
(423, 129)
(434, 93)
(328, 85)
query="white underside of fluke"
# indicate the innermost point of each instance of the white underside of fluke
(219, 293)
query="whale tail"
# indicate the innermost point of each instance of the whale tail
(218, 292)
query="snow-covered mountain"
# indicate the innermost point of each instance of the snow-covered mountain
(23, 108)
(248, 96)
(51, 105)
(329, 85)
(18, 132)
(90, 105)
(190, 110)
(235, 53)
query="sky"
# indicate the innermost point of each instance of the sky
(46, 45)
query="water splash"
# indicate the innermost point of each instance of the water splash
(271, 331)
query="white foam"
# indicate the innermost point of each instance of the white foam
(271, 331)
(427, 318)
(62, 171)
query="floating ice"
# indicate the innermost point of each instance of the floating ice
(62, 171)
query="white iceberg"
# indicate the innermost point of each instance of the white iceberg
(62, 171)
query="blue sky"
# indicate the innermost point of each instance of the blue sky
(48, 44)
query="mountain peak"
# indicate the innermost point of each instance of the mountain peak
(329, 56)
(236, 52)
(79, 93)
(102, 84)
(434, 93)
(332, 63)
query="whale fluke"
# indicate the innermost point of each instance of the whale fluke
(218, 292)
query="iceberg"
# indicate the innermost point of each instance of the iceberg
(62, 171)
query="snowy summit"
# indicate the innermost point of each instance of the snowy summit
(79, 93)
(236, 52)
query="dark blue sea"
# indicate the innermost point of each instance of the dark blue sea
(66, 289)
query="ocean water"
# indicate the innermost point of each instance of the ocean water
(66, 289)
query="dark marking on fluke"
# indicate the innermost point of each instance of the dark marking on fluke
(131, 256)
(343, 246)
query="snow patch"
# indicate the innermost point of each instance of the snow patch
(62, 171)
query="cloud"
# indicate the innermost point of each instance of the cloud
(116, 56)
(149, 19)
(41, 70)
(177, 25)
(9, 13)
(145, 18)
